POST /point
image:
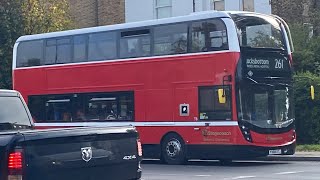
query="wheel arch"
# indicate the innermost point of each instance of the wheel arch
(168, 134)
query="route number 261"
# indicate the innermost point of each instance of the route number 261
(279, 64)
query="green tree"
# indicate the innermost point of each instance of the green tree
(307, 111)
(306, 57)
(41, 16)
(315, 20)
(10, 29)
(306, 60)
(27, 17)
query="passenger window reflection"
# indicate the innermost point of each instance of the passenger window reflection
(80, 115)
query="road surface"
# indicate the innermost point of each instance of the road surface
(209, 170)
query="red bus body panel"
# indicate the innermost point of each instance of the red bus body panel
(160, 85)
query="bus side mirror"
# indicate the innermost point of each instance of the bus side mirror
(222, 96)
(312, 92)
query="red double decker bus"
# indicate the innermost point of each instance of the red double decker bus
(212, 85)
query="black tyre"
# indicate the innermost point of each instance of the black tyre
(173, 150)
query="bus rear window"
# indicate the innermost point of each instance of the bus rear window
(30, 53)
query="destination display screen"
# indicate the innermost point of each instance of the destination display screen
(265, 64)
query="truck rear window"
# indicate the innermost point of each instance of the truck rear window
(13, 114)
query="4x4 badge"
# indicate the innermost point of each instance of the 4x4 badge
(86, 154)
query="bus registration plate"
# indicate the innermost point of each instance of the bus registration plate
(275, 151)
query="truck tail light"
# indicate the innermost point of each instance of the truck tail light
(15, 165)
(139, 148)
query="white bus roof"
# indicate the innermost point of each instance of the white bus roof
(191, 17)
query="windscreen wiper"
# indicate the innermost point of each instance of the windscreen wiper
(284, 84)
(281, 84)
(272, 77)
(257, 83)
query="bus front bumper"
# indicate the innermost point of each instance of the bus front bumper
(236, 152)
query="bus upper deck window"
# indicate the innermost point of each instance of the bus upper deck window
(208, 35)
(30, 53)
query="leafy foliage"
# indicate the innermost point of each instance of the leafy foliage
(41, 16)
(307, 111)
(306, 60)
(308, 147)
(306, 56)
(27, 17)
(10, 29)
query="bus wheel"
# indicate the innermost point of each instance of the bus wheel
(173, 150)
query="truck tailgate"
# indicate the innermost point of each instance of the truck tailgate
(82, 154)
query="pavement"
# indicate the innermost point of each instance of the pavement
(298, 156)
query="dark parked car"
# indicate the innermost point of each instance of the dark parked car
(63, 154)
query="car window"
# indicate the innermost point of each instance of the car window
(13, 112)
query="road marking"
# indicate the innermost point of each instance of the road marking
(289, 172)
(163, 174)
(202, 175)
(244, 177)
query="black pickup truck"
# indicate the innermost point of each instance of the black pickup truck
(63, 154)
